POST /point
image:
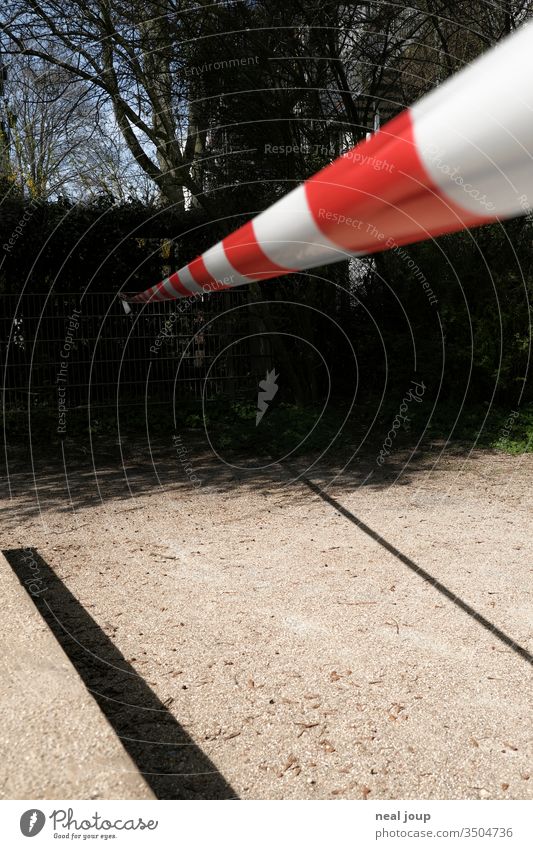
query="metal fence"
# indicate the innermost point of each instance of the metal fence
(101, 357)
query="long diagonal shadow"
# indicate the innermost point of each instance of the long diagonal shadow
(418, 570)
(171, 763)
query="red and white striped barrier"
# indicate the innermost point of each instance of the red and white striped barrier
(461, 157)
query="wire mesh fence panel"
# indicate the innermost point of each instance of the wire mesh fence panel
(86, 346)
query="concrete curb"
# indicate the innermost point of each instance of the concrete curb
(56, 743)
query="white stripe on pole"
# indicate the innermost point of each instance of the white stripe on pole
(475, 132)
(289, 236)
(219, 267)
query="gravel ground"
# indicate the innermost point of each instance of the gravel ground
(262, 644)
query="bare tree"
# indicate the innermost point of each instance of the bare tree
(129, 51)
(324, 72)
(106, 167)
(51, 121)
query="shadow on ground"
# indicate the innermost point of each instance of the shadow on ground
(75, 479)
(422, 573)
(171, 763)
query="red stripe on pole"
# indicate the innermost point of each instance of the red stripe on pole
(380, 191)
(244, 253)
(200, 273)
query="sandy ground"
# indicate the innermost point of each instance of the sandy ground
(274, 648)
